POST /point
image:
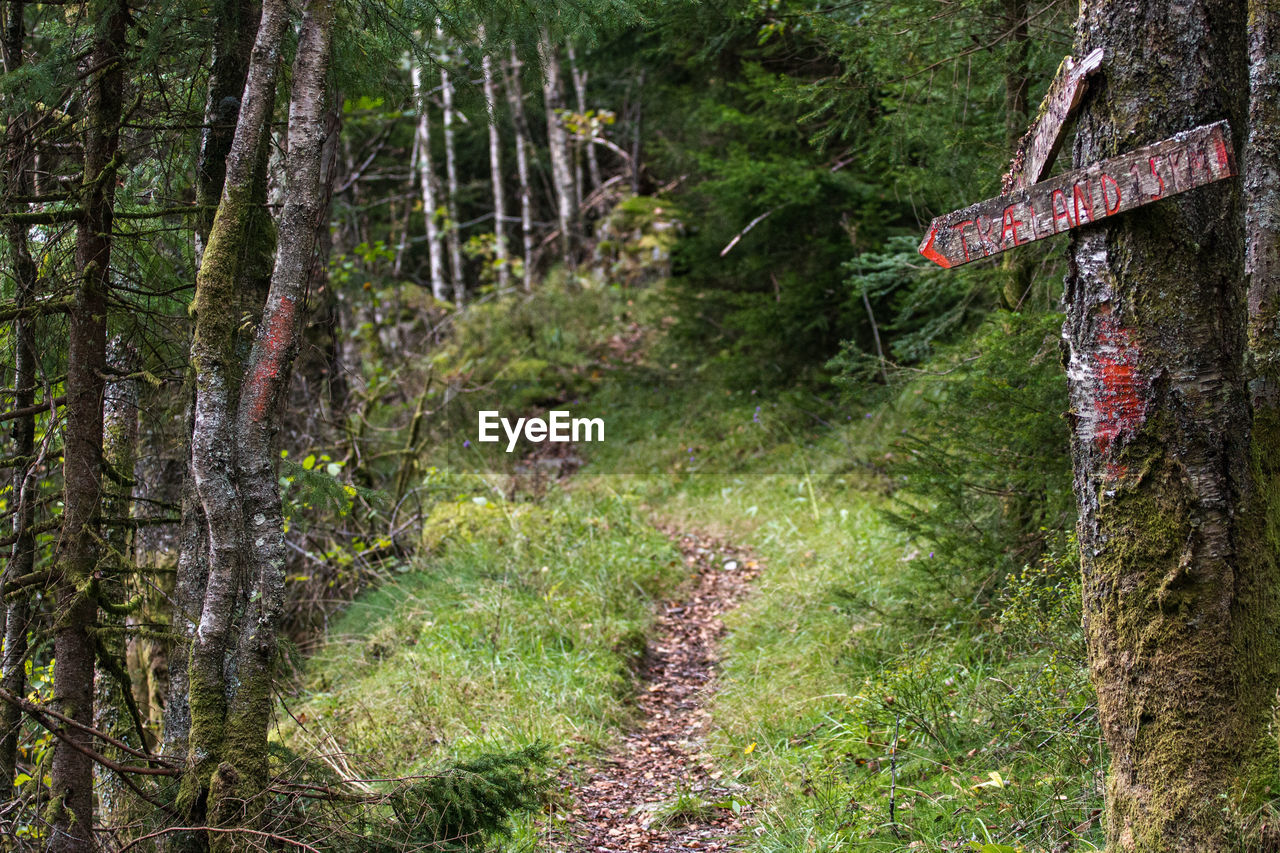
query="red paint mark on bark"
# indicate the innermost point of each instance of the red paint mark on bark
(1106, 205)
(932, 254)
(1118, 403)
(265, 380)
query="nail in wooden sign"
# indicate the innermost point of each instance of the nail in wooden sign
(1039, 146)
(1191, 159)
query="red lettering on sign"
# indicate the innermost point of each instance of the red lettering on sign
(1088, 200)
(964, 244)
(1155, 174)
(1221, 150)
(1175, 157)
(1010, 225)
(1059, 196)
(1035, 234)
(1106, 205)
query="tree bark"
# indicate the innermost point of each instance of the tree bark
(453, 238)
(114, 710)
(213, 440)
(1262, 204)
(1179, 577)
(495, 175)
(558, 148)
(515, 96)
(72, 814)
(25, 484)
(427, 179)
(244, 774)
(580, 88)
(234, 32)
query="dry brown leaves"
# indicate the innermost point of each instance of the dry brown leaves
(657, 791)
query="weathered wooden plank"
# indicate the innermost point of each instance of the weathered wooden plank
(1040, 145)
(1191, 159)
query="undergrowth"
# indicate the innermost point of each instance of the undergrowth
(859, 704)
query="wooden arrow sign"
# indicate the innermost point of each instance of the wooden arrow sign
(1191, 159)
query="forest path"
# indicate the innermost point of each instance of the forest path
(657, 791)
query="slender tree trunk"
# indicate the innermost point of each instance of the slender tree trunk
(515, 97)
(580, 89)
(25, 483)
(213, 441)
(77, 553)
(244, 768)
(1179, 578)
(558, 148)
(115, 711)
(453, 238)
(637, 125)
(427, 180)
(495, 176)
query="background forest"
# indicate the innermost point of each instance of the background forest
(263, 264)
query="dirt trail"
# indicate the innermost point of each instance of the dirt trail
(656, 792)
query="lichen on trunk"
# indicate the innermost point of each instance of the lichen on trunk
(1178, 585)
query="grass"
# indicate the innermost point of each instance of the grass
(521, 621)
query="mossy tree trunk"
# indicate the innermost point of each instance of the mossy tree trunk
(71, 808)
(1178, 576)
(243, 774)
(238, 397)
(215, 358)
(234, 27)
(16, 606)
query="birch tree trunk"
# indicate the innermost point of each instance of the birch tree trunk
(558, 148)
(452, 236)
(25, 483)
(72, 813)
(637, 125)
(580, 89)
(495, 175)
(1179, 576)
(427, 178)
(515, 96)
